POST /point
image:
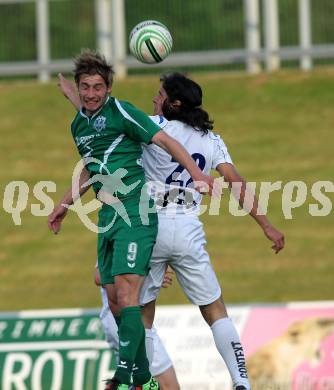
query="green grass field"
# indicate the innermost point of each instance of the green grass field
(277, 128)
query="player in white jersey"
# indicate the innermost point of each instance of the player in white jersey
(181, 240)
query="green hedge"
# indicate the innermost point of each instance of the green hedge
(195, 25)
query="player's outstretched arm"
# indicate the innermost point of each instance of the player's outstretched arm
(250, 203)
(69, 91)
(203, 183)
(58, 214)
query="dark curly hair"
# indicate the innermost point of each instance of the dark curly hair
(184, 102)
(90, 62)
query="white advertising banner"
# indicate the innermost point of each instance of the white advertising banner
(288, 347)
(188, 340)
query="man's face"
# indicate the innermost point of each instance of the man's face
(93, 92)
(158, 101)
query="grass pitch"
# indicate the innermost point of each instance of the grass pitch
(277, 128)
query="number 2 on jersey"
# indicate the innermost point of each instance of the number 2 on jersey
(172, 178)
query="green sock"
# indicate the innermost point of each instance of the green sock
(141, 371)
(131, 332)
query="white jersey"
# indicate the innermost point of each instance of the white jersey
(173, 188)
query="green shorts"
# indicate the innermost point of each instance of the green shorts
(126, 246)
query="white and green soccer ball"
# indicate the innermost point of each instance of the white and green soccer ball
(150, 42)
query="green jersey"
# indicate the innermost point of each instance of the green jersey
(110, 143)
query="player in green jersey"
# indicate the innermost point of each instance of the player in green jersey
(108, 134)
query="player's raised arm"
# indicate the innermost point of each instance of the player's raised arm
(203, 183)
(250, 203)
(69, 90)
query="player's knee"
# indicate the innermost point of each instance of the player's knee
(128, 289)
(122, 298)
(219, 306)
(213, 311)
(126, 297)
(114, 307)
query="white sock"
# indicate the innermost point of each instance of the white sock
(229, 346)
(156, 353)
(109, 324)
(149, 345)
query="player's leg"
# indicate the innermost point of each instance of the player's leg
(109, 305)
(149, 292)
(123, 256)
(161, 365)
(131, 256)
(110, 327)
(168, 380)
(131, 331)
(227, 341)
(198, 280)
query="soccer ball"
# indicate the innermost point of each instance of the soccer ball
(150, 42)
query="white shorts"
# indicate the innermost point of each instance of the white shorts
(159, 359)
(181, 244)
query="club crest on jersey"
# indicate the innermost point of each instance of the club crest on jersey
(100, 123)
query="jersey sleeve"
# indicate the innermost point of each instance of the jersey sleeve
(220, 152)
(137, 125)
(159, 120)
